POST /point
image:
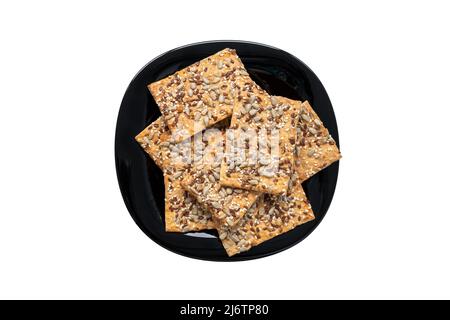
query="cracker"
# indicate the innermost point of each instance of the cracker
(227, 205)
(266, 116)
(269, 217)
(182, 212)
(200, 95)
(155, 140)
(315, 147)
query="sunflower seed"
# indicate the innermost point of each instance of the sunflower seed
(222, 193)
(266, 172)
(256, 118)
(264, 161)
(205, 80)
(216, 175)
(197, 116)
(213, 95)
(311, 152)
(242, 243)
(221, 98)
(306, 117)
(253, 112)
(271, 211)
(177, 175)
(220, 64)
(252, 98)
(204, 112)
(206, 189)
(193, 85)
(190, 93)
(206, 120)
(274, 113)
(211, 178)
(146, 140)
(216, 205)
(223, 235)
(274, 101)
(312, 130)
(317, 122)
(253, 182)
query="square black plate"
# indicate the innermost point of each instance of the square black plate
(141, 181)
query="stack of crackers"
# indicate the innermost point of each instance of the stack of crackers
(233, 156)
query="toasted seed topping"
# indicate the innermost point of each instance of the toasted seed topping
(306, 117)
(177, 175)
(274, 100)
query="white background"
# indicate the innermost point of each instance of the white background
(64, 229)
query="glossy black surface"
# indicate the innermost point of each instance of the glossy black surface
(141, 181)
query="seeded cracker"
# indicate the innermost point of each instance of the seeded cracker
(227, 205)
(200, 95)
(315, 146)
(154, 139)
(182, 212)
(269, 217)
(258, 112)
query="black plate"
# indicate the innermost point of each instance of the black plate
(141, 181)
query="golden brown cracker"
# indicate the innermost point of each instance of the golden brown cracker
(182, 212)
(269, 217)
(274, 118)
(315, 147)
(200, 95)
(227, 205)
